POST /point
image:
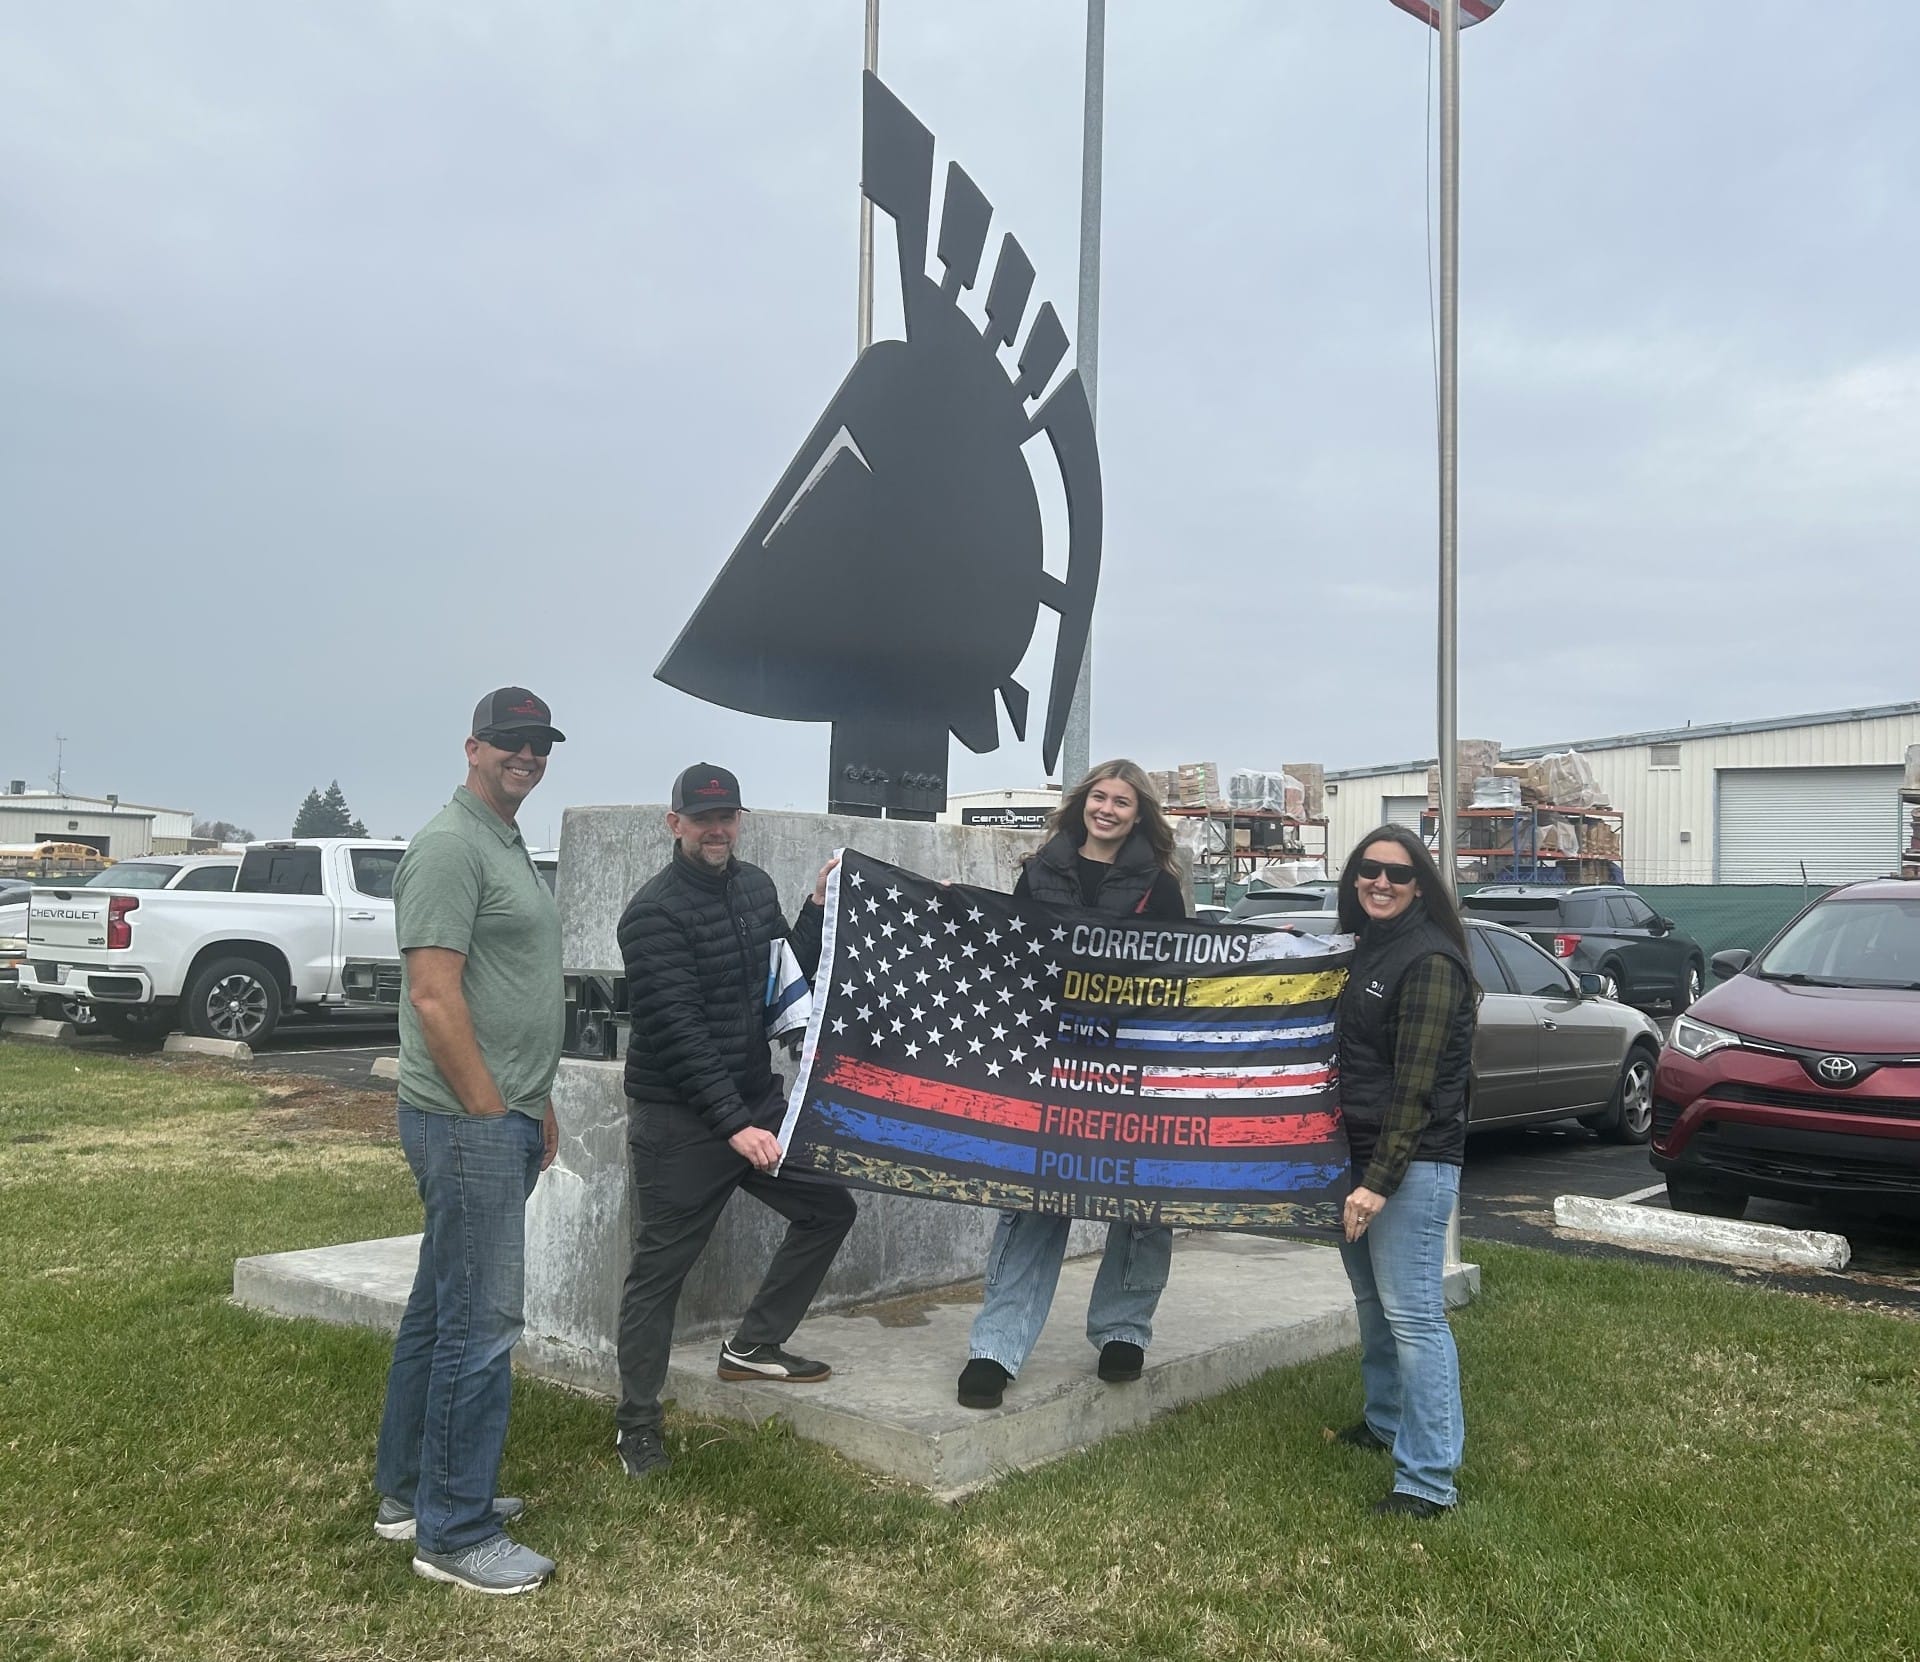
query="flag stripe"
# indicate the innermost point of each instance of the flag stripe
(879, 1130)
(1233, 1079)
(1107, 1171)
(1264, 991)
(888, 1088)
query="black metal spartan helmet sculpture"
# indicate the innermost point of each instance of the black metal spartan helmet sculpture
(892, 581)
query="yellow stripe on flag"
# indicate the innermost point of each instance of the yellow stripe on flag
(1248, 991)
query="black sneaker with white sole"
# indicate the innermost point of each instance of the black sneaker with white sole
(642, 1452)
(769, 1362)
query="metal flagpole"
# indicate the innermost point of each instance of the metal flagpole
(1078, 739)
(1449, 688)
(864, 329)
(1448, 701)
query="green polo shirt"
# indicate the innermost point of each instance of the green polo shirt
(465, 883)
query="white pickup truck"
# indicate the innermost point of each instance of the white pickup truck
(308, 926)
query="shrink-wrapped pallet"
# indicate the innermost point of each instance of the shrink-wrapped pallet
(1564, 779)
(1313, 785)
(1558, 836)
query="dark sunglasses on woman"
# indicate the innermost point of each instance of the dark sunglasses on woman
(511, 743)
(1395, 873)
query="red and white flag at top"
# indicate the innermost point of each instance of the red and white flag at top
(1471, 11)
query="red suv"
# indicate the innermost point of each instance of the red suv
(1799, 1077)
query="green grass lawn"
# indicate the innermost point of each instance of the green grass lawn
(1661, 1464)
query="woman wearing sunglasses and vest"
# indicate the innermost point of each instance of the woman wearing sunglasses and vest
(1405, 1031)
(1110, 850)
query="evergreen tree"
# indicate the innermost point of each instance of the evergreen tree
(325, 814)
(310, 819)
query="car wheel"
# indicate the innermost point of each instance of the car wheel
(75, 1010)
(1691, 987)
(1613, 984)
(1711, 1200)
(232, 998)
(1629, 1115)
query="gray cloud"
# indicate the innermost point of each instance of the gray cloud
(364, 356)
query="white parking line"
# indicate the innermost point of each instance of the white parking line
(1647, 1193)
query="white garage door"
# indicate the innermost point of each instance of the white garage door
(1403, 810)
(1842, 823)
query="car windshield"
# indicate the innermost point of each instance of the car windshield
(1516, 911)
(1850, 943)
(142, 874)
(1263, 903)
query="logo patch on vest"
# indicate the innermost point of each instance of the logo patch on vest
(1376, 988)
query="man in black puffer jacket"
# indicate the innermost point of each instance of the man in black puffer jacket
(704, 1105)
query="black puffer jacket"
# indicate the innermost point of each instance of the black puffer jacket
(695, 944)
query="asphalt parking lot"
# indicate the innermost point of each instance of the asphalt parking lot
(1507, 1190)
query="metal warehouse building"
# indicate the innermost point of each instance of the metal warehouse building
(119, 830)
(1801, 798)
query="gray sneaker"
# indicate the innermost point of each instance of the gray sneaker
(501, 1566)
(642, 1452)
(394, 1521)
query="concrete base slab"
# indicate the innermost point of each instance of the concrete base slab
(386, 1067)
(189, 1044)
(1237, 1306)
(1728, 1240)
(33, 1027)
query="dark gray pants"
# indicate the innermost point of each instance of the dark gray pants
(683, 1176)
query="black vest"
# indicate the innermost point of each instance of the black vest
(1367, 1024)
(1053, 876)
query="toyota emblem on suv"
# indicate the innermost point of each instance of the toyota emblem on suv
(1837, 1070)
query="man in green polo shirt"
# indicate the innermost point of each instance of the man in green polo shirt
(481, 1012)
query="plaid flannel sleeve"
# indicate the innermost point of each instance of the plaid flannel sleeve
(1429, 995)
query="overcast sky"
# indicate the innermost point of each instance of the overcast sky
(359, 357)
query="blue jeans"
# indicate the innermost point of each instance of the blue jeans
(1408, 1366)
(450, 1385)
(1023, 1268)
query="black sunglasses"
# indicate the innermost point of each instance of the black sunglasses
(1394, 872)
(512, 742)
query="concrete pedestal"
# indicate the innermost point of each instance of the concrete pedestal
(579, 1223)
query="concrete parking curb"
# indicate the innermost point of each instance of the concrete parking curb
(386, 1067)
(1765, 1245)
(34, 1027)
(186, 1044)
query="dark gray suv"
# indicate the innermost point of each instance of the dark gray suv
(1641, 958)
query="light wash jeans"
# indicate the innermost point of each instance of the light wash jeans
(450, 1384)
(1023, 1268)
(1408, 1366)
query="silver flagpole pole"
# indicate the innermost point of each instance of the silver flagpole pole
(863, 335)
(1075, 751)
(1449, 686)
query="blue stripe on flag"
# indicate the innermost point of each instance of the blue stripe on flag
(1232, 1176)
(879, 1130)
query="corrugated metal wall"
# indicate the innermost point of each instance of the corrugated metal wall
(1660, 804)
(128, 836)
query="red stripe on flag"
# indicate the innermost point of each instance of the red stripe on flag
(1225, 1084)
(885, 1085)
(1223, 1130)
(1264, 1131)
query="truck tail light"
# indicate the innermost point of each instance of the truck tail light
(1564, 946)
(119, 930)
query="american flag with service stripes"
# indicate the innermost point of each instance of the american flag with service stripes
(969, 1047)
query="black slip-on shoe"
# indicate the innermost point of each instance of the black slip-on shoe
(1121, 1362)
(770, 1363)
(1400, 1504)
(983, 1382)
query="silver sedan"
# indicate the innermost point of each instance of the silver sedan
(1549, 1047)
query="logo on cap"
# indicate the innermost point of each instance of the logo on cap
(531, 707)
(712, 787)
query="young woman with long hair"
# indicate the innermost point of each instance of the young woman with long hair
(1109, 849)
(1405, 1027)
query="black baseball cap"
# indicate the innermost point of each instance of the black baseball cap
(515, 710)
(705, 786)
